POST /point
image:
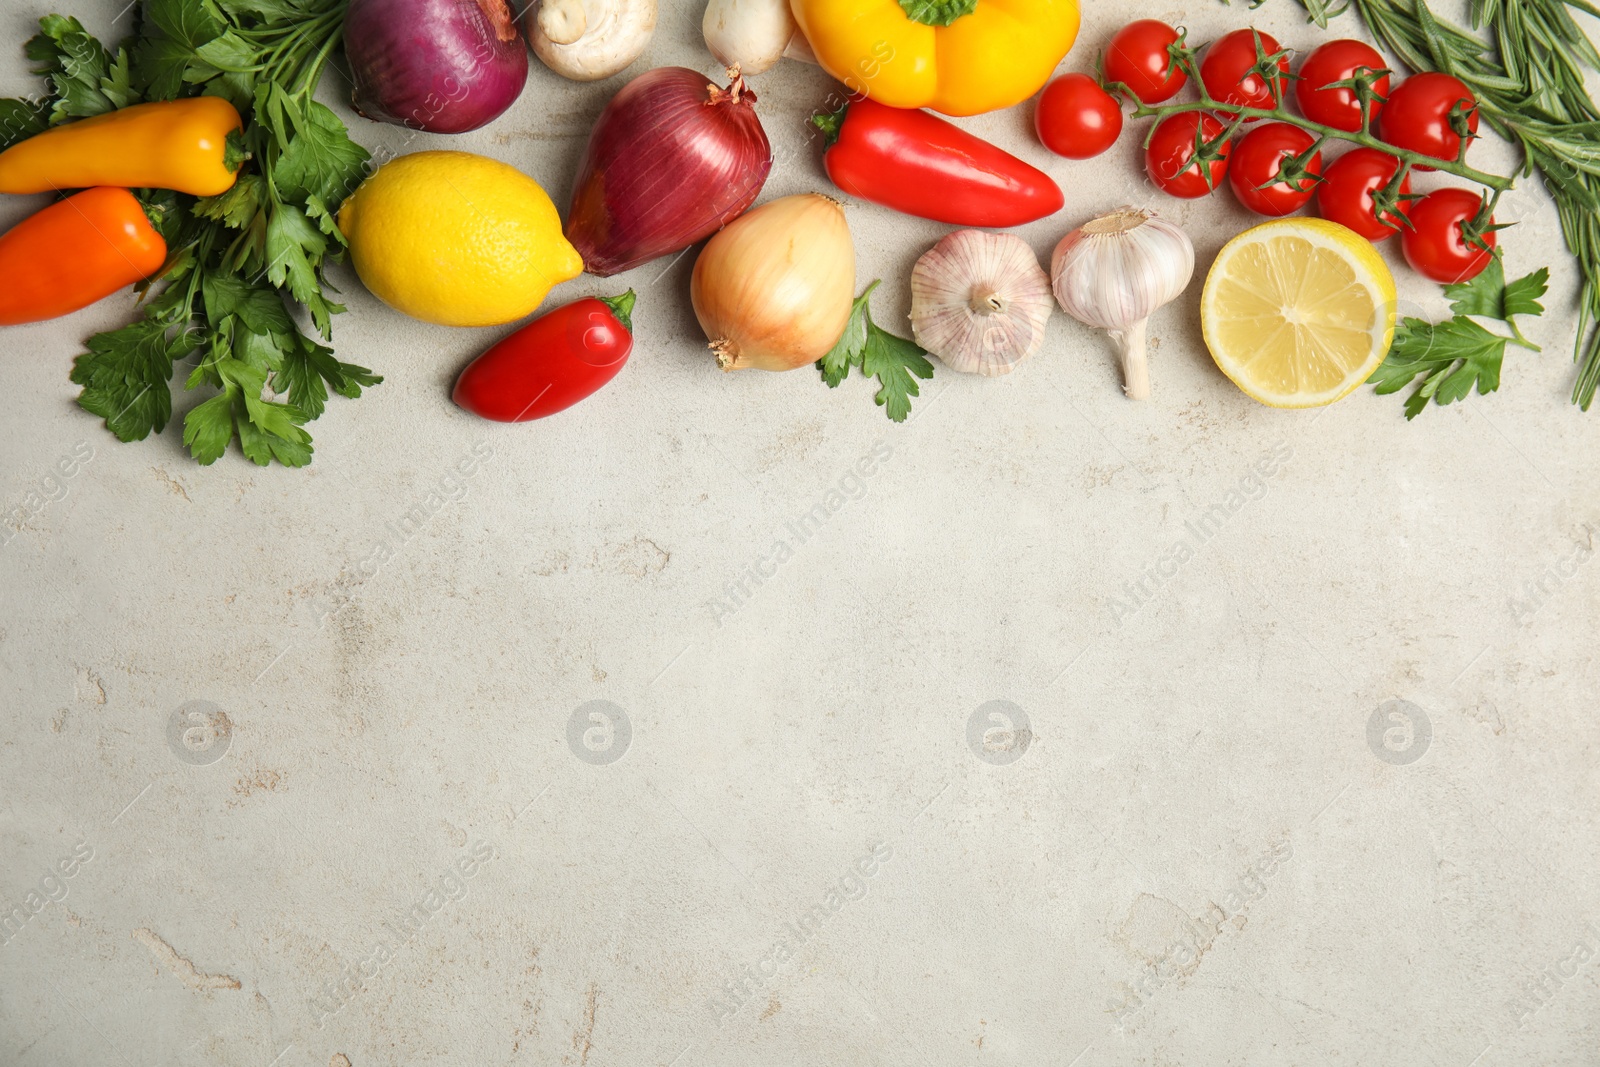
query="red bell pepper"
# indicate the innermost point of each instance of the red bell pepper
(552, 363)
(922, 165)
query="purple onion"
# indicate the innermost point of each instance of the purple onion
(671, 160)
(444, 66)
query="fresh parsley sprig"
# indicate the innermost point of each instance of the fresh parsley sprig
(896, 362)
(1455, 356)
(240, 264)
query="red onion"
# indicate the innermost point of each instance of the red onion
(671, 160)
(444, 66)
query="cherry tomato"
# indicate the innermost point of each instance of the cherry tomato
(1137, 57)
(550, 364)
(1225, 70)
(1345, 193)
(1417, 115)
(1076, 118)
(1337, 61)
(1169, 158)
(1435, 245)
(1255, 160)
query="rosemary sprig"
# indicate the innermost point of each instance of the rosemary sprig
(1529, 81)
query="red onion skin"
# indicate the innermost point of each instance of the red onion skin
(672, 160)
(444, 66)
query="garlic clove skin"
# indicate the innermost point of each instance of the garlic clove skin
(980, 301)
(1113, 272)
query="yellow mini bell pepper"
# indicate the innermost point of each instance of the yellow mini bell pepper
(961, 57)
(174, 144)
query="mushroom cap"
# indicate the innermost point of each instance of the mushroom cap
(614, 34)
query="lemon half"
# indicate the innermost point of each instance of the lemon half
(1298, 312)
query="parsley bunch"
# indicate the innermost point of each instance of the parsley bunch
(896, 362)
(231, 258)
(1455, 355)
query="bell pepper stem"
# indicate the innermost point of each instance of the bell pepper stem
(622, 307)
(831, 123)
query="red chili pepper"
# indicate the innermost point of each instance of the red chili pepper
(552, 363)
(922, 165)
(74, 252)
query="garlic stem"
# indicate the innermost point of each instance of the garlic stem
(1135, 363)
(988, 302)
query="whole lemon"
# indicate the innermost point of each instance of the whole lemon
(457, 239)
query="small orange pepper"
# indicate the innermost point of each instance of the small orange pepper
(170, 144)
(74, 252)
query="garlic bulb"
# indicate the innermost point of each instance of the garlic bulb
(773, 289)
(979, 301)
(748, 34)
(1114, 272)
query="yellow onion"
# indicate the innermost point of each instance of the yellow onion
(773, 289)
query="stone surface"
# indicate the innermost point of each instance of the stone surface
(798, 828)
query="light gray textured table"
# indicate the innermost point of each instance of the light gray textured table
(1207, 852)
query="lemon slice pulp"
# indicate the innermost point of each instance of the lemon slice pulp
(1298, 312)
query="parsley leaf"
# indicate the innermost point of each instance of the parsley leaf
(236, 207)
(86, 80)
(271, 11)
(1522, 295)
(1455, 356)
(894, 361)
(171, 33)
(20, 120)
(293, 244)
(208, 427)
(321, 161)
(1452, 356)
(125, 375)
(309, 371)
(847, 352)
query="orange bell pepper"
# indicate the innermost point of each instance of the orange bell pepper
(74, 252)
(171, 144)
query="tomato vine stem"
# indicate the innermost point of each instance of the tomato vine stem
(1184, 58)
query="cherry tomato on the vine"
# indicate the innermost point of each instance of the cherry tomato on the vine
(1417, 115)
(1435, 245)
(1256, 160)
(1337, 61)
(1137, 56)
(1076, 118)
(1170, 160)
(1345, 193)
(1226, 70)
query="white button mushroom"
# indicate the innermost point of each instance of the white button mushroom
(587, 40)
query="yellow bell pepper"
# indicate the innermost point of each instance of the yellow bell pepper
(961, 57)
(171, 144)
